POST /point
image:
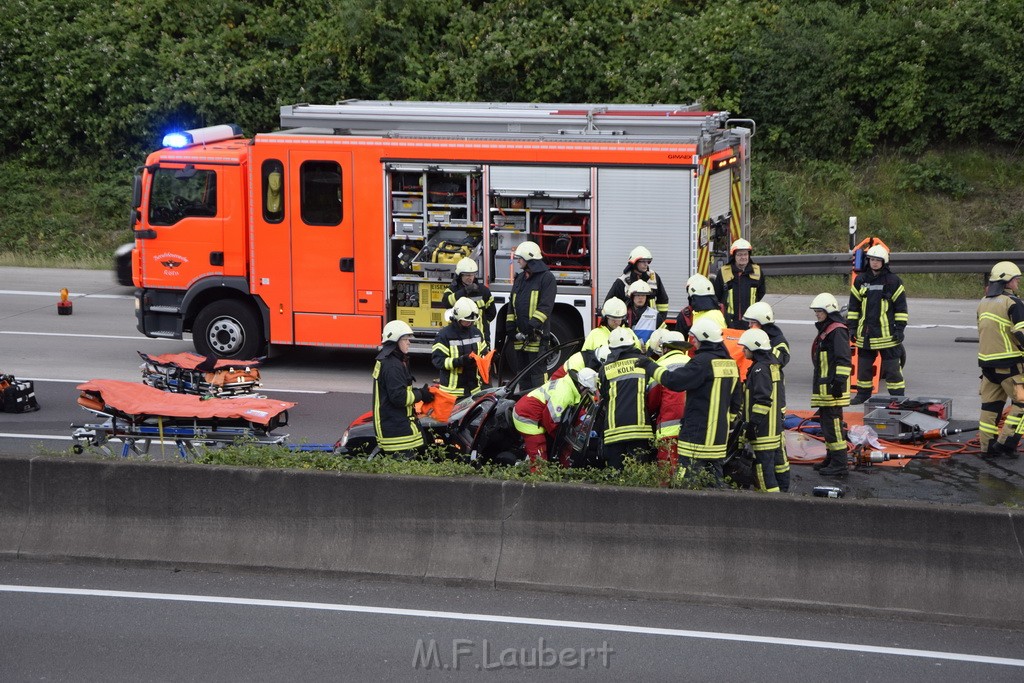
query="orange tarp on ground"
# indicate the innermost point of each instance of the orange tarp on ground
(140, 399)
(803, 449)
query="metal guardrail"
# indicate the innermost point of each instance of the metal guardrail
(902, 262)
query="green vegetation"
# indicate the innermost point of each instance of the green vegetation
(904, 114)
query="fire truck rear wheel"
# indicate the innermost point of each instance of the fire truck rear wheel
(228, 329)
(561, 332)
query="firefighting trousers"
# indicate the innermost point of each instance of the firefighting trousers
(615, 453)
(891, 370)
(831, 420)
(995, 389)
(766, 463)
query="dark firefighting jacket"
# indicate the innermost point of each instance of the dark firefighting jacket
(533, 300)
(830, 354)
(780, 349)
(877, 309)
(456, 341)
(393, 399)
(737, 290)
(623, 387)
(709, 380)
(480, 295)
(760, 401)
(659, 294)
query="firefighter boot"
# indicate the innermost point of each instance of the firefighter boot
(860, 397)
(994, 450)
(837, 465)
(1010, 447)
(824, 463)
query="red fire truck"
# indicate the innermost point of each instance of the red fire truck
(354, 214)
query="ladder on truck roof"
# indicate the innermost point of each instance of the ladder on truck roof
(588, 122)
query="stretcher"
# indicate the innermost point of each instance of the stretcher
(188, 373)
(138, 415)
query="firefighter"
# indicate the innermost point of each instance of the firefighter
(760, 316)
(1001, 357)
(739, 283)
(578, 361)
(465, 285)
(538, 414)
(667, 406)
(639, 269)
(640, 316)
(877, 316)
(623, 386)
(760, 408)
(452, 346)
(528, 324)
(613, 314)
(394, 421)
(702, 302)
(709, 380)
(830, 391)
(654, 347)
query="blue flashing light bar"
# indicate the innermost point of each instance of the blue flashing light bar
(200, 136)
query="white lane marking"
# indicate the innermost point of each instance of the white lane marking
(16, 435)
(263, 389)
(528, 621)
(71, 295)
(88, 336)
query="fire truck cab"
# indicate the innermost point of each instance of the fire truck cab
(354, 214)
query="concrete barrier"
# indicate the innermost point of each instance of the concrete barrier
(961, 564)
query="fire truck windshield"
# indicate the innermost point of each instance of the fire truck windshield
(176, 195)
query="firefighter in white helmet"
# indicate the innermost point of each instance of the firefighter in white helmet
(394, 420)
(739, 283)
(877, 317)
(701, 303)
(709, 380)
(760, 408)
(667, 406)
(640, 315)
(453, 346)
(528, 321)
(830, 389)
(1001, 357)
(761, 317)
(627, 429)
(537, 415)
(465, 285)
(638, 269)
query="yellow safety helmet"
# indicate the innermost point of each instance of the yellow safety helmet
(755, 340)
(880, 252)
(395, 330)
(465, 309)
(528, 251)
(761, 312)
(706, 330)
(639, 253)
(1004, 271)
(614, 308)
(826, 302)
(698, 285)
(740, 245)
(466, 265)
(638, 287)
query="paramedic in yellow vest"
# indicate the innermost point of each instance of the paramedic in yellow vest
(640, 315)
(465, 285)
(394, 421)
(452, 346)
(665, 405)
(638, 269)
(613, 314)
(1001, 357)
(538, 415)
(739, 283)
(528, 321)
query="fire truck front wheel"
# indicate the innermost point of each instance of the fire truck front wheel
(228, 329)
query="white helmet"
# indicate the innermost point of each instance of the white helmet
(756, 340)
(640, 253)
(601, 353)
(675, 340)
(825, 302)
(1004, 271)
(621, 337)
(740, 245)
(587, 378)
(878, 251)
(614, 308)
(466, 265)
(529, 251)
(465, 309)
(654, 341)
(638, 287)
(761, 312)
(698, 285)
(706, 330)
(395, 330)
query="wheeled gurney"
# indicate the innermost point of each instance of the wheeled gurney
(188, 373)
(138, 415)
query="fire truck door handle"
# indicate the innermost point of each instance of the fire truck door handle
(347, 265)
(145, 234)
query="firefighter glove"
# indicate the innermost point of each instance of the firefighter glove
(838, 388)
(897, 335)
(426, 395)
(458, 361)
(750, 431)
(520, 337)
(646, 364)
(535, 324)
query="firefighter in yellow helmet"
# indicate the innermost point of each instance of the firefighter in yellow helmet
(453, 346)
(739, 283)
(1001, 357)
(638, 269)
(877, 316)
(830, 353)
(528, 321)
(394, 420)
(465, 285)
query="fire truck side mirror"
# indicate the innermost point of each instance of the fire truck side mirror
(136, 190)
